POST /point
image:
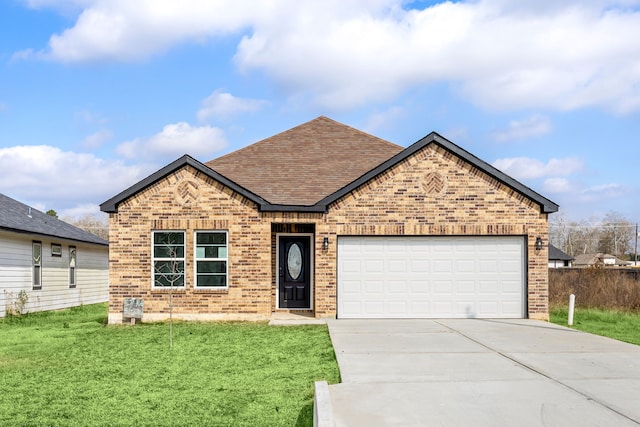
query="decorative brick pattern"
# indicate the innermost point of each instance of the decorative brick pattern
(408, 199)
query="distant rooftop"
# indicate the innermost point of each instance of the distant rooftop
(18, 217)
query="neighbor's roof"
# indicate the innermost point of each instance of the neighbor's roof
(20, 218)
(307, 168)
(592, 259)
(304, 164)
(557, 254)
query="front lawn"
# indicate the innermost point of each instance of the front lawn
(620, 325)
(67, 368)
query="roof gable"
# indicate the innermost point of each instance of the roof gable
(18, 217)
(111, 205)
(302, 165)
(546, 205)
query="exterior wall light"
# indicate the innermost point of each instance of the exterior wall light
(538, 243)
(325, 243)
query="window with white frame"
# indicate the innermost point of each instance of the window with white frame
(72, 266)
(211, 259)
(168, 259)
(36, 259)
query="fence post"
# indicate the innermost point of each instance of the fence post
(572, 303)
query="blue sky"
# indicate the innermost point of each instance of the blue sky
(97, 94)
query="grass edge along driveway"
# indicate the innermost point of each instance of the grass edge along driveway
(616, 324)
(67, 368)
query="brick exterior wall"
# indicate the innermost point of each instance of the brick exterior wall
(432, 192)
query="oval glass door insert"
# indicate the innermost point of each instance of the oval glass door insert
(294, 261)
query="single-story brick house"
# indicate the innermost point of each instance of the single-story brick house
(327, 220)
(46, 263)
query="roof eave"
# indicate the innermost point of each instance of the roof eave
(55, 236)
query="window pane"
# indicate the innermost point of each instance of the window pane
(72, 257)
(167, 251)
(176, 238)
(212, 267)
(207, 280)
(37, 253)
(212, 238)
(169, 267)
(215, 252)
(168, 279)
(36, 276)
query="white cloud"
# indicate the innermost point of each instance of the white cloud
(528, 168)
(556, 185)
(602, 192)
(97, 139)
(223, 105)
(175, 140)
(344, 53)
(56, 179)
(534, 125)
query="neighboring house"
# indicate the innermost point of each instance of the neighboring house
(558, 258)
(327, 220)
(599, 259)
(47, 264)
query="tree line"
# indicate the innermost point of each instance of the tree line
(611, 234)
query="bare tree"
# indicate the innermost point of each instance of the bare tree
(94, 224)
(169, 271)
(612, 234)
(616, 234)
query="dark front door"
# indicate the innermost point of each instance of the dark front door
(294, 268)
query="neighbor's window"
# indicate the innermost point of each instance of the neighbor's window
(168, 259)
(72, 266)
(37, 265)
(211, 259)
(56, 249)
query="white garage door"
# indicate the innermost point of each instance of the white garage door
(431, 277)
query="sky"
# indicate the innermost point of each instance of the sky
(95, 95)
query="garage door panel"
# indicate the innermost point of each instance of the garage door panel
(419, 287)
(351, 286)
(374, 287)
(352, 266)
(431, 277)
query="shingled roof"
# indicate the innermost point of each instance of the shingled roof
(20, 218)
(304, 164)
(309, 167)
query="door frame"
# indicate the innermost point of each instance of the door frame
(311, 269)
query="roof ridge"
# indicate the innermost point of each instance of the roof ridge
(317, 119)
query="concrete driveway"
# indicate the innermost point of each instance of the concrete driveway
(481, 373)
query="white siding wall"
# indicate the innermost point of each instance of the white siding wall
(92, 273)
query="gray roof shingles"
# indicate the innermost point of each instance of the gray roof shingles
(18, 217)
(557, 254)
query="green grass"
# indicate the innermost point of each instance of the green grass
(620, 325)
(67, 368)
